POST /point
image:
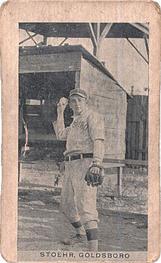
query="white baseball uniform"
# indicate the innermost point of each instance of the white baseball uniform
(78, 201)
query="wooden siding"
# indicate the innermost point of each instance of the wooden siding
(137, 128)
(60, 62)
(111, 101)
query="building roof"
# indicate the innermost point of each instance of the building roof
(81, 30)
(34, 50)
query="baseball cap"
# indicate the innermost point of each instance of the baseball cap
(78, 92)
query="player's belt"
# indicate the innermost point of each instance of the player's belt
(78, 156)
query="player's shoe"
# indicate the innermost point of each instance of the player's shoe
(78, 238)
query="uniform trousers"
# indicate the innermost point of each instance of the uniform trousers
(78, 200)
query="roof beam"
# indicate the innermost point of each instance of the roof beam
(141, 27)
(146, 45)
(98, 30)
(93, 38)
(101, 36)
(131, 43)
(63, 41)
(28, 38)
(31, 38)
(105, 31)
(92, 34)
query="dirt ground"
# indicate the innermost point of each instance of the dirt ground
(43, 227)
(123, 221)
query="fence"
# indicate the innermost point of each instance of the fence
(137, 128)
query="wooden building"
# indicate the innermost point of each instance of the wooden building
(137, 128)
(46, 74)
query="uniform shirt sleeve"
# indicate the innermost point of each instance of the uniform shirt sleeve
(96, 126)
(61, 134)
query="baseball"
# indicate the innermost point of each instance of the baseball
(63, 101)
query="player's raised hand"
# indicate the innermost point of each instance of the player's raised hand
(62, 104)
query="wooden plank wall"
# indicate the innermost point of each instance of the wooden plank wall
(111, 101)
(50, 62)
(137, 128)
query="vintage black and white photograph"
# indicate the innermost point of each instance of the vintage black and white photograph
(83, 140)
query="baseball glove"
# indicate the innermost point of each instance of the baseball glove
(94, 179)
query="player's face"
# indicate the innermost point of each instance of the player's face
(77, 104)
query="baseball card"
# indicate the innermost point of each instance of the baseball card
(80, 106)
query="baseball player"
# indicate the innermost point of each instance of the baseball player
(83, 164)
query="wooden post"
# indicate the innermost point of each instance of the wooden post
(20, 120)
(98, 31)
(97, 36)
(45, 40)
(141, 133)
(128, 140)
(19, 161)
(133, 139)
(93, 38)
(146, 140)
(119, 180)
(101, 36)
